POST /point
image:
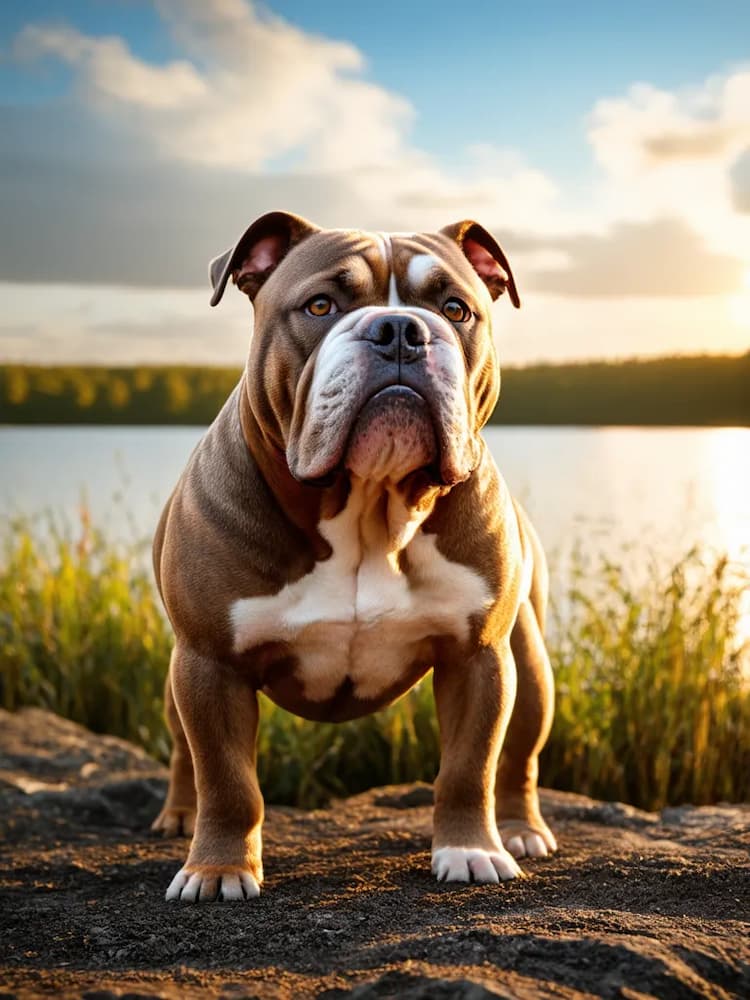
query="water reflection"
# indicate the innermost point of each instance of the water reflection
(660, 491)
(728, 468)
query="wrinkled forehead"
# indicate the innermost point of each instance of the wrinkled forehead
(367, 261)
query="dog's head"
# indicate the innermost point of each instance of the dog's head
(371, 352)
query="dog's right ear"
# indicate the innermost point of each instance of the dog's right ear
(257, 253)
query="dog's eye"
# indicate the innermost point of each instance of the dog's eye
(321, 305)
(456, 311)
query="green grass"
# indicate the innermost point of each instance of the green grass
(653, 682)
(81, 630)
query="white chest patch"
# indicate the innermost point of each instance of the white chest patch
(357, 615)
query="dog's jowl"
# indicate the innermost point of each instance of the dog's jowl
(340, 530)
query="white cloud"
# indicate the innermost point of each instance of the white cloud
(672, 154)
(257, 114)
(105, 325)
(264, 90)
(563, 328)
(57, 324)
(261, 95)
(650, 128)
(111, 75)
(660, 258)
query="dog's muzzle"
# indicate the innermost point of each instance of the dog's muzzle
(388, 397)
(392, 435)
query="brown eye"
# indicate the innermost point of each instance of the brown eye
(320, 305)
(456, 311)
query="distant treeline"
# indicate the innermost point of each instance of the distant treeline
(705, 390)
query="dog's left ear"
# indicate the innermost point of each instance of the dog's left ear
(486, 256)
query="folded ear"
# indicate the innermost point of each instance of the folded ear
(486, 256)
(257, 253)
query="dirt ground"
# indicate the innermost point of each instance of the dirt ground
(635, 904)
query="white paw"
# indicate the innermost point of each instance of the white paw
(194, 887)
(524, 842)
(527, 845)
(472, 864)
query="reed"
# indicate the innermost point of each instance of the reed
(653, 683)
(81, 630)
(653, 680)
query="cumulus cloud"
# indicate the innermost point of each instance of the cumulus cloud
(672, 154)
(133, 223)
(660, 258)
(147, 170)
(700, 143)
(150, 169)
(108, 324)
(104, 218)
(110, 75)
(650, 127)
(740, 181)
(563, 328)
(264, 90)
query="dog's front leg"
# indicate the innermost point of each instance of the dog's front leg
(474, 700)
(219, 713)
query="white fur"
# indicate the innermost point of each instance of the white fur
(394, 299)
(186, 887)
(527, 845)
(356, 615)
(386, 250)
(467, 864)
(420, 267)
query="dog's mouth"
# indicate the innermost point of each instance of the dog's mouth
(392, 436)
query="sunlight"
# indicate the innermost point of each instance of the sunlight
(739, 304)
(730, 479)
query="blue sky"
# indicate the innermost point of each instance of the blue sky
(607, 146)
(525, 73)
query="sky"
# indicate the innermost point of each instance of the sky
(606, 146)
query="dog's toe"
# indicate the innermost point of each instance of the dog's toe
(197, 886)
(178, 883)
(462, 864)
(522, 841)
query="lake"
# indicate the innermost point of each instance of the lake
(656, 492)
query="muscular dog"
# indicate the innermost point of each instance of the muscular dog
(340, 530)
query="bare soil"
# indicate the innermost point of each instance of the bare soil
(634, 905)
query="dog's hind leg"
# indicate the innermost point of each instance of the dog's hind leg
(519, 819)
(178, 815)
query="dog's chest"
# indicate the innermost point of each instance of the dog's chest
(362, 617)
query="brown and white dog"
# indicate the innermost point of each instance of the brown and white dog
(341, 529)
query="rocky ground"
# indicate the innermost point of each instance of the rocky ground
(635, 905)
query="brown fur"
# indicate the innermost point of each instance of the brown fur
(239, 525)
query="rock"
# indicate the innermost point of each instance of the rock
(415, 796)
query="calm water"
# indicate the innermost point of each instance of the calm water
(658, 491)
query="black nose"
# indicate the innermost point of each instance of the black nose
(398, 338)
